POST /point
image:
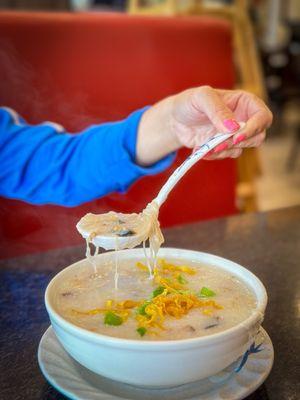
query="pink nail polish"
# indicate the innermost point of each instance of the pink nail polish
(239, 139)
(220, 147)
(231, 125)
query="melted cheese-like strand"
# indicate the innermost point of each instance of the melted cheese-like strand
(110, 223)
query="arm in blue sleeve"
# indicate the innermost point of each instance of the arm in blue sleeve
(42, 164)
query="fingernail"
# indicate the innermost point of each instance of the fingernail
(220, 147)
(239, 139)
(231, 125)
(195, 149)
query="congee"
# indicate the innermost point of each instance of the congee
(181, 300)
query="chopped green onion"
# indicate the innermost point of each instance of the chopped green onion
(186, 292)
(159, 290)
(206, 292)
(112, 319)
(141, 330)
(141, 310)
(181, 280)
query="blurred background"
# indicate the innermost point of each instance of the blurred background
(88, 61)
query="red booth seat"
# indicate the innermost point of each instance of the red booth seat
(78, 69)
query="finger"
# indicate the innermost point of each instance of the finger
(220, 147)
(254, 141)
(257, 123)
(207, 100)
(235, 153)
(225, 149)
(232, 153)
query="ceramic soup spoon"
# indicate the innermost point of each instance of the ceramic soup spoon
(119, 231)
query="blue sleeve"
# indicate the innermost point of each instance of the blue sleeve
(42, 164)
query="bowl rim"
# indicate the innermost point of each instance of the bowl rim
(107, 340)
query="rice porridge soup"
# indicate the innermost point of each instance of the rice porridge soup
(180, 301)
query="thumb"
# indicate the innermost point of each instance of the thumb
(207, 100)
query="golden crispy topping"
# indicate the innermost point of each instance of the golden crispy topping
(172, 298)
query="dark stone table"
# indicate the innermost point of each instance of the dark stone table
(266, 243)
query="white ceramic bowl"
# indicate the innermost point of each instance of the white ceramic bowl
(159, 363)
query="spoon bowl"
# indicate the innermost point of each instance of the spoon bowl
(111, 242)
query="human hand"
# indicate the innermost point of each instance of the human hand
(191, 117)
(198, 114)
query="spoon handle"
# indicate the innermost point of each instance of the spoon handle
(189, 162)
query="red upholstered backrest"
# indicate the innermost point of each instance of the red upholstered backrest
(78, 69)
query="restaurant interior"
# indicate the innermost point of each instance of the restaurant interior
(250, 45)
(83, 63)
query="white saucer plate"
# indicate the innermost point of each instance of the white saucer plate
(78, 383)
